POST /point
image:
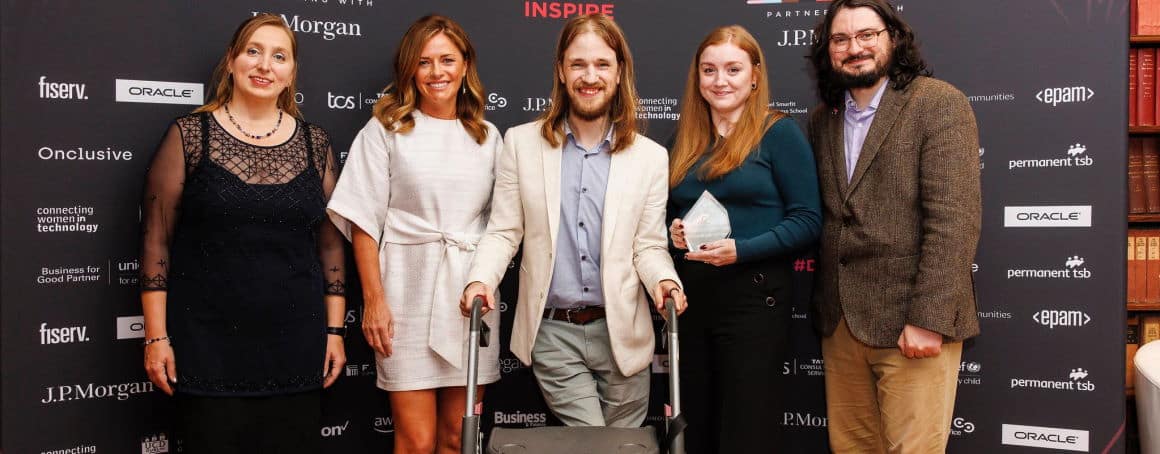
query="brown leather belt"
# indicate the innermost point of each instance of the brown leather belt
(579, 315)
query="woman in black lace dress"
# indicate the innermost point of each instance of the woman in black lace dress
(241, 272)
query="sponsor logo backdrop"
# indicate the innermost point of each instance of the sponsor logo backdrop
(89, 88)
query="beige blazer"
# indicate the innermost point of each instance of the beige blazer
(634, 250)
(898, 239)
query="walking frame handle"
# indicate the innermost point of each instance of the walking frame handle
(675, 421)
(469, 436)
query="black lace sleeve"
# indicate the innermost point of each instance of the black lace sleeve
(160, 207)
(330, 241)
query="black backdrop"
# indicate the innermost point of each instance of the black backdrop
(1046, 79)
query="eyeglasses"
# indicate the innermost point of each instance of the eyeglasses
(866, 38)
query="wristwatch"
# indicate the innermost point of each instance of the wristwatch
(336, 330)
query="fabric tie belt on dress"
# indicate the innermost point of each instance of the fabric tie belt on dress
(447, 331)
(580, 315)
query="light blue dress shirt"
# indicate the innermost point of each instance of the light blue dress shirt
(856, 126)
(583, 180)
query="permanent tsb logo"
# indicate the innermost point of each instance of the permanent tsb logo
(1045, 437)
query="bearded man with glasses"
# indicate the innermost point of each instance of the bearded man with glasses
(899, 176)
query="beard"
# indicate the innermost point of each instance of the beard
(865, 79)
(591, 112)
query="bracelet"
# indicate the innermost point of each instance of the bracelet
(336, 330)
(157, 339)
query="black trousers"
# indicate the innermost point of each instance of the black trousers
(734, 340)
(288, 424)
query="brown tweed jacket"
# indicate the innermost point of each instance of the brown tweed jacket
(898, 240)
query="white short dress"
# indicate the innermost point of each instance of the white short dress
(424, 196)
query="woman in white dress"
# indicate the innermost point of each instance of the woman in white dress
(413, 199)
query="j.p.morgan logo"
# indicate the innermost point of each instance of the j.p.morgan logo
(1045, 437)
(118, 391)
(1064, 95)
(797, 419)
(1052, 318)
(1048, 216)
(159, 92)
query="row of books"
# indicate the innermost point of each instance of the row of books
(1142, 99)
(1143, 175)
(1141, 330)
(1145, 17)
(1144, 265)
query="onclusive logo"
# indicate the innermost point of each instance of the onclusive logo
(160, 92)
(329, 30)
(1064, 95)
(131, 327)
(522, 419)
(797, 419)
(61, 90)
(564, 10)
(82, 153)
(1048, 216)
(1075, 157)
(1072, 269)
(63, 335)
(1076, 380)
(120, 391)
(1045, 437)
(157, 444)
(1052, 318)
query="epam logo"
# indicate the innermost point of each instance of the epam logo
(1064, 95)
(1053, 318)
(1048, 216)
(1045, 437)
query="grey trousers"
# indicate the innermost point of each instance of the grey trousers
(574, 367)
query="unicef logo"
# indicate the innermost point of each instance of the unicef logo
(972, 367)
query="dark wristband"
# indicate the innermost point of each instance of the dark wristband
(336, 330)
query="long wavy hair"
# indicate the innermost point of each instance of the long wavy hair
(695, 130)
(396, 108)
(623, 111)
(906, 61)
(223, 81)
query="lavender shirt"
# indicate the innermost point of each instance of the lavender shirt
(856, 126)
(583, 179)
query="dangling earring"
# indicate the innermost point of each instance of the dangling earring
(753, 86)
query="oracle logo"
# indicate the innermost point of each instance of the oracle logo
(1045, 437)
(1047, 216)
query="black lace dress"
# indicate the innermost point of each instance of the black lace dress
(238, 237)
